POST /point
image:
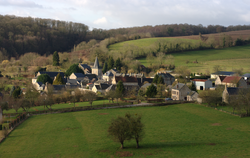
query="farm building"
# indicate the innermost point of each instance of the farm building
(221, 73)
(202, 84)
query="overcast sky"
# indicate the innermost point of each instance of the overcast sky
(108, 14)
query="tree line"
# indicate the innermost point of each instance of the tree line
(19, 35)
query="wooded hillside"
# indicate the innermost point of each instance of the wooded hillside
(19, 35)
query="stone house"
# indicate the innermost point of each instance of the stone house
(128, 82)
(108, 76)
(86, 68)
(234, 81)
(192, 96)
(77, 76)
(219, 80)
(180, 92)
(100, 88)
(168, 78)
(229, 92)
(202, 84)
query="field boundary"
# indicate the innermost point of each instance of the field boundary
(12, 128)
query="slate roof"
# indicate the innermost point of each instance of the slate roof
(178, 86)
(85, 66)
(232, 90)
(166, 75)
(111, 87)
(51, 74)
(231, 79)
(80, 75)
(96, 64)
(246, 75)
(125, 79)
(40, 83)
(224, 73)
(108, 73)
(142, 80)
(102, 86)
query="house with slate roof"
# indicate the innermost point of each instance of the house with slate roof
(128, 82)
(229, 92)
(108, 76)
(192, 96)
(77, 76)
(168, 78)
(202, 84)
(221, 73)
(100, 87)
(234, 81)
(180, 91)
(86, 68)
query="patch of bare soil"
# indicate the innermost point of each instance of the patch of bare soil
(124, 153)
(216, 124)
(75, 146)
(103, 114)
(211, 144)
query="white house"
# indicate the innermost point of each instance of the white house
(202, 84)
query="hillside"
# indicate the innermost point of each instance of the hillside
(229, 59)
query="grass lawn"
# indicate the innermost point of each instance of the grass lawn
(227, 58)
(183, 130)
(149, 41)
(61, 106)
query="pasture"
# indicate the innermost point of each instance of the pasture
(182, 130)
(228, 58)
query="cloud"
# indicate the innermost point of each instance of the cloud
(20, 3)
(102, 20)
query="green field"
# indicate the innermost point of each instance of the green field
(183, 130)
(61, 106)
(149, 41)
(228, 58)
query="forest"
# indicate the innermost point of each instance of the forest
(20, 35)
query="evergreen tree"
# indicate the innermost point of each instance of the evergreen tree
(193, 87)
(155, 80)
(110, 63)
(73, 69)
(58, 80)
(105, 67)
(44, 78)
(120, 87)
(118, 64)
(151, 91)
(160, 80)
(55, 59)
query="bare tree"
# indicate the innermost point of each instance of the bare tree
(90, 96)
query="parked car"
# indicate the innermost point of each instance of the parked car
(166, 99)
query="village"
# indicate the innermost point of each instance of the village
(94, 80)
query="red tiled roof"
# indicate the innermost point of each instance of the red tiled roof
(125, 79)
(200, 80)
(231, 79)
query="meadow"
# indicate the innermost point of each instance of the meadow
(182, 130)
(228, 59)
(150, 41)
